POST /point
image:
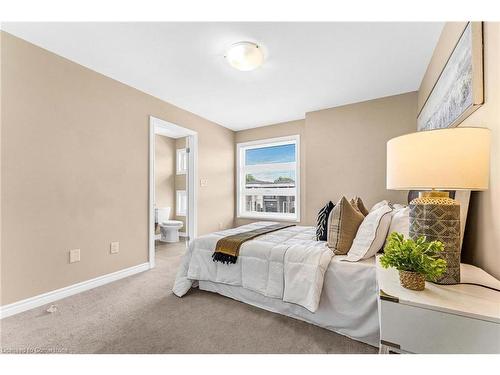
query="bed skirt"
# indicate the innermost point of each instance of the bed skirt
(361, 325)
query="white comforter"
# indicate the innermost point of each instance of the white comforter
(288, 264)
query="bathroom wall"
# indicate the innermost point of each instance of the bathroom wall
(180, 184)
(165, 172)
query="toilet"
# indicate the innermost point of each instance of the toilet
(169, 229)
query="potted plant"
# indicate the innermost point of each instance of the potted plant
(415, 260)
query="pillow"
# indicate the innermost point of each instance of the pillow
(397, 206)
(371, 234)
(357, 203)
(322, 222)
(400, 221)
(343, 224)
(379, 204)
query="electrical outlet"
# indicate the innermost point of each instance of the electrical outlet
(203, 182)
(221, 226)
(74, 255)
(114, 248)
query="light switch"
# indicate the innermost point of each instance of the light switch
(203, 182)
(115, 247)
(74, 255)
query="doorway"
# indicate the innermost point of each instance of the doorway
(184, 205)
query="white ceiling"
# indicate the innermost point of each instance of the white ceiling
(308, 66)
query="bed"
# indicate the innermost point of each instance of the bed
(290, 273)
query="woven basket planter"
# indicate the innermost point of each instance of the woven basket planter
(412, 280)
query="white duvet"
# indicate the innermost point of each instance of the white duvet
(288, 264)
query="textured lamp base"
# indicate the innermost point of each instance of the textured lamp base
(437, 217)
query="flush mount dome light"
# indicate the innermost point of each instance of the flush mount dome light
(245, 56)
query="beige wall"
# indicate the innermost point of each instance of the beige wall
(343, 150)
(482, 236)
(346, 150)
(180, 183)
(165, 172)
(75, 171)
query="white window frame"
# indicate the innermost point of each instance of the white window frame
(181, 161)
(181, 208)
(242, 169)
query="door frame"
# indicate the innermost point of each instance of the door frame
(169, 129)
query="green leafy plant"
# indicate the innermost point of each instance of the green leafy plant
(415, 256)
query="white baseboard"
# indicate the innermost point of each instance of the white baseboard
(45, 298)
(183, 234)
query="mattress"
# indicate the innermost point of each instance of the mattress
(348, 303)
(288, 264)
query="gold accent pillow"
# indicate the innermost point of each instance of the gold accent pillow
(343, 223)
(356, 202)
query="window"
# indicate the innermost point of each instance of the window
(180, 203)
(268, 179)
(182, 161)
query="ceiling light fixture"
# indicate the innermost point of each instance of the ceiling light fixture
(245, 56)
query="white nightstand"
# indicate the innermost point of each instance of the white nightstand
(442, 318)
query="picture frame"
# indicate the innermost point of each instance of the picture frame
(459, 89)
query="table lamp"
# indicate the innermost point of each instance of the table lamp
(436, 160)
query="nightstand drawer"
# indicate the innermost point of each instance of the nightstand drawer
(420, 330)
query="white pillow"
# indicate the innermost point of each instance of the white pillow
(400, 221)
(376, 206)
(371, 234)
(397, 206)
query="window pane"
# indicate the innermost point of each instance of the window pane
(272, 154)
(182, 161)
(270, 179)
(270, 203)
(181, 203)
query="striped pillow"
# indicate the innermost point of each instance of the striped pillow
(322, 221)
(343, 224)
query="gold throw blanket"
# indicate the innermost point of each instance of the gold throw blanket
(228, 248)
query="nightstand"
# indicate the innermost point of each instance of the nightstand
(442, 318)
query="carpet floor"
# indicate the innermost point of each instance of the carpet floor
(140, 314)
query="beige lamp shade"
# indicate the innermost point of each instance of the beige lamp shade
(454, 159)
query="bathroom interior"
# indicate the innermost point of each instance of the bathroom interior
(170, 192)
